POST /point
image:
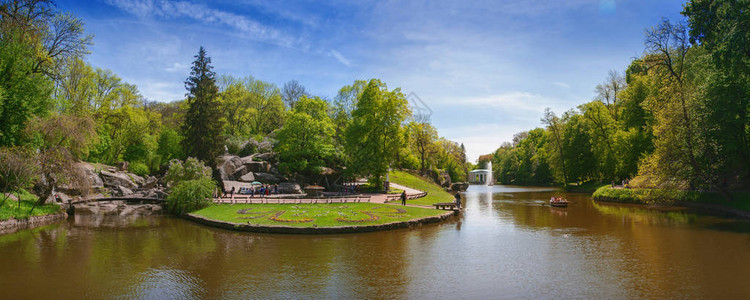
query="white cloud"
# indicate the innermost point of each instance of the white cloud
(512, 101)
(340, 58)
(176, 67)
(561, 84)
(249, 28)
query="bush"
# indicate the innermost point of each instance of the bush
(138, 168)
(191, 195)
(191, 169)
(253, 146)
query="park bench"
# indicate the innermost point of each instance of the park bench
(445, 205)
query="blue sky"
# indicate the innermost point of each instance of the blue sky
(487, 69)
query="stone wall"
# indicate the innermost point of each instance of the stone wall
(13, 225)
(319, 230)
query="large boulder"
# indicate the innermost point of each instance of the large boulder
(117, 179)
(289, 188)
(242, 170)
(258, 166)
(228, 166)
(138, 180)
(267, 177)
(123, 191)
(249, 177)
(151, 182)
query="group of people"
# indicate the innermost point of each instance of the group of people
(350, 188)
(557, 200)
(262, 190)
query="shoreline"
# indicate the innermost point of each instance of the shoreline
(318, 230)
(13, 225)
(604, 195)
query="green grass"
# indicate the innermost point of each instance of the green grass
(10, 208)
(741, 200)
(367, 188)
(435, 193)
(314, 215)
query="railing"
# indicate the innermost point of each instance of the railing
(396, 197)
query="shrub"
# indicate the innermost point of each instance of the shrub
(138, 168)
(254, 146)
(190, 195)
(191, 169)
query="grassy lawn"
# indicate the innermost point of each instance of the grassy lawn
(311, 215)
(10, 208)
(435, 193)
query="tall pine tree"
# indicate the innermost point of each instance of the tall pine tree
(203, 123)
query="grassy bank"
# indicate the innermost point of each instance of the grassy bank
(653, 196)
(435, 193)
(314, 215)
(10, 208)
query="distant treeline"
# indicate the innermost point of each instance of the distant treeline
(677, 118)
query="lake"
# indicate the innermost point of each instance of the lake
(507, 244)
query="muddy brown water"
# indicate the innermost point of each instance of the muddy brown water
(507, 244)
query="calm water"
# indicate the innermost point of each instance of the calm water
(506, 245)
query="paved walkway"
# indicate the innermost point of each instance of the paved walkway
(283, 198)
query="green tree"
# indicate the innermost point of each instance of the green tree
(375, 135)
(555, 126)
(292, 92)
(423, 137)
(305, 142)
(25, 93)
(203, 121)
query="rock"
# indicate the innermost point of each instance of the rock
(138, 180)
(267, 178)
(459, 186)
(242, 170)
(114, 180)
(122, 166)
(248, 159)
(257, 166)
(229, 166)
(124, 191)
(249, 177)
(289, 188)
(151, 182)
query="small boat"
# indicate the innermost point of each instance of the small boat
(558, 202)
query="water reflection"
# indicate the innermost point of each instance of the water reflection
(508, 243)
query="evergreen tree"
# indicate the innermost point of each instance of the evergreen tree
(203, 121)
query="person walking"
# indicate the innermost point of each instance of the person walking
(403, 198)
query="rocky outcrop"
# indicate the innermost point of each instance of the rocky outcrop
(117, 179)
(151, 182)
(117, 208)
(267, 178)
(91, 175)
(256, 167)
